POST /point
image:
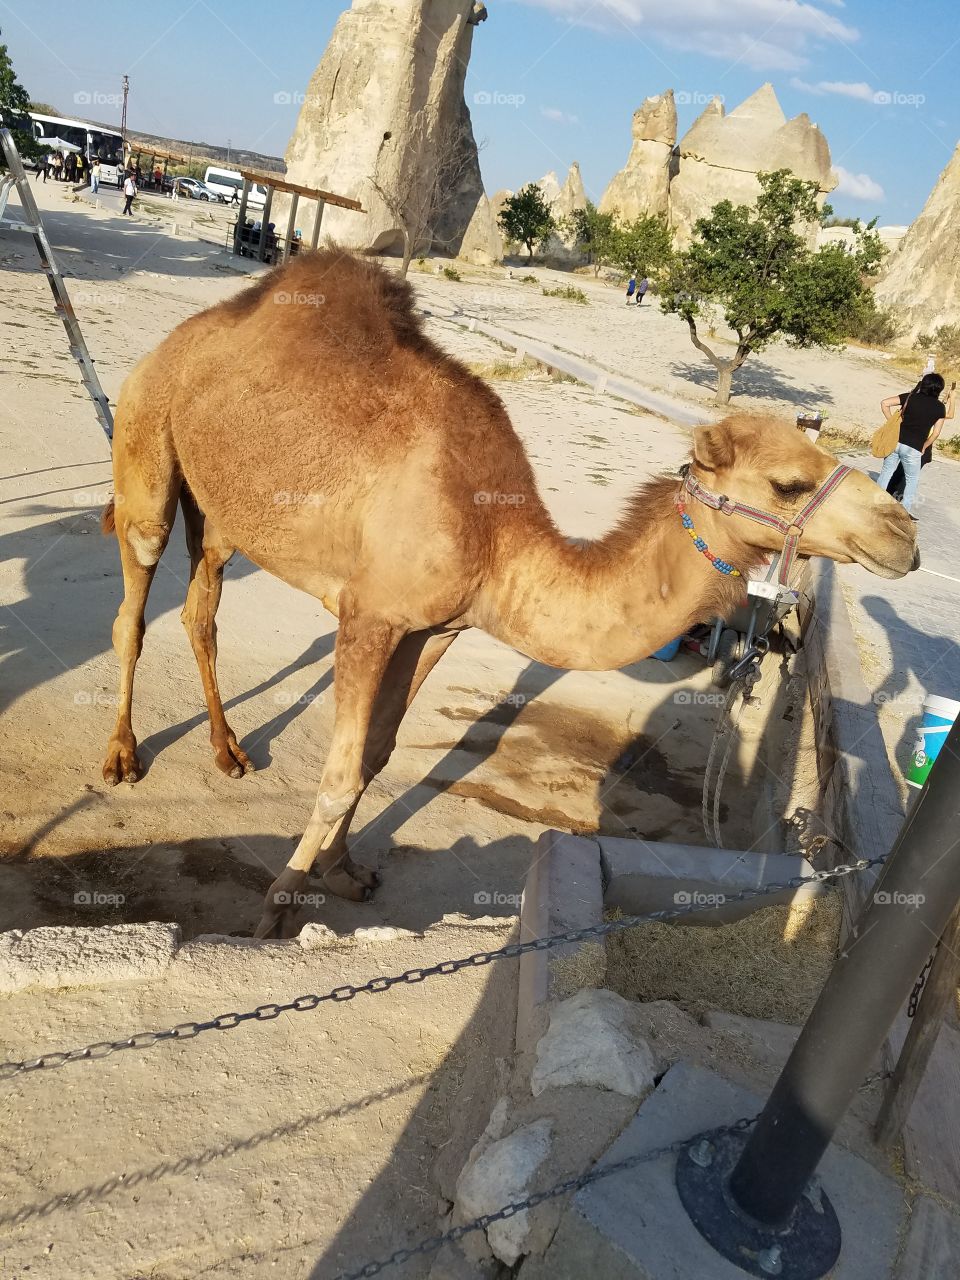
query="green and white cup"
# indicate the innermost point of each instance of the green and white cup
(938, 717)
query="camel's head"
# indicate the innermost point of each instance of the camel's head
(773, 466)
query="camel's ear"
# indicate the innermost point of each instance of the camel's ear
(713, 447)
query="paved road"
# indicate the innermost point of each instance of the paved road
(910, 629)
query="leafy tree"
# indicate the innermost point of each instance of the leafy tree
(526, 217)
(755, 266)
(593, 233)
(644, 246)
(14, 104)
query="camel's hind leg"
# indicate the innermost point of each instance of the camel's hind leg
(209, 554)
(142, 514)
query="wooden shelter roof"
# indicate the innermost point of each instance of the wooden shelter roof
(279, 183)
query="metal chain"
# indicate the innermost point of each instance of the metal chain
(914, 1002)
(433, 1243)
(339, 995)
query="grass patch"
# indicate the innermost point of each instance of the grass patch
(843, 440)
(504, 370)
(452, 273)
(529, 280)
(569, 293)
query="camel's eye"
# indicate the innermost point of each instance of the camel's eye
(790, 490)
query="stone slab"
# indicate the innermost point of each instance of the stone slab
(632, 1226)
(563, 892)
(52, 957)
(642, 876)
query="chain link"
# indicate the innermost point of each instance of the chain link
(433, 1243)
(914, 1002)
(339, 995)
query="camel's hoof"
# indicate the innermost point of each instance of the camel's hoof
(369, 878)
(343, 884)
(121, 764)
(231, 759)
(280, 904)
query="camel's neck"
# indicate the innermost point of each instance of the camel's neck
(608, 603)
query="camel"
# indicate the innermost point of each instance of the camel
(312, 425)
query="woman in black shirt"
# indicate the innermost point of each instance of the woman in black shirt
(922, 421)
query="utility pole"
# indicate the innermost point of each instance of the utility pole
(123, 115)
(228, 151)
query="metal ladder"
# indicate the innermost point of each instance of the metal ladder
(16, 179)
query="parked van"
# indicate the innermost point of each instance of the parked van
(226, 181)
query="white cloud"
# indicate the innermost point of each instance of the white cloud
(762, 34)
(842, 88)
(558, 116)
(860, 186)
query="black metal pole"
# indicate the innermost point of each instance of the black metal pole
(886, 949)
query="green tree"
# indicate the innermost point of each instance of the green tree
(644, 246)
(526, 217)
(593, 232)
(14, 104)
(755, 266)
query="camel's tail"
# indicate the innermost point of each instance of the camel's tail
(108, 521)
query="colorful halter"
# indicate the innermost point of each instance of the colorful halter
(791, 529)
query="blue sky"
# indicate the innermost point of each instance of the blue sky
(881, 78)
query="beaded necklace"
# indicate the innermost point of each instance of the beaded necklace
(722, 566)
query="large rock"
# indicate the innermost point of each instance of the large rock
(643, 185)
(500, 1175)
(382, 106)
(563, 201)
(922, 279)
(594, 1039)
(482, 242)
(721, 155)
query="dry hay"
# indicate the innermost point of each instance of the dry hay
(770, 965)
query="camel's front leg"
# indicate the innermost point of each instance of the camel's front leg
(365, 644)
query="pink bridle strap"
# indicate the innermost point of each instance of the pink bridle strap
(792, 530)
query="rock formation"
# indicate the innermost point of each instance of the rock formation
(922, 279)
(482, 242)
(563, 202)
(383, 105)
(721, 155)
(643, 185)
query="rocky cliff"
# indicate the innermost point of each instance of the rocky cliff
(720, 156)
(922, 279)
(384, 104)
(643, 185)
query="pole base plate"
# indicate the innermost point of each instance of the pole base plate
(806, 1249)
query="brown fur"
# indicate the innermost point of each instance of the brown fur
(311, 423)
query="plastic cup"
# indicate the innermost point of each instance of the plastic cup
(938, 717)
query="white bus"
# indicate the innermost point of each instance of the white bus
(226, 181)
(94, 140)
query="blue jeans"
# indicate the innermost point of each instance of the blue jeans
(911, 470)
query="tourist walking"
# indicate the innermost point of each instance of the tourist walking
(95, 176)
(130, 192)
(631, 288)
(642, 288)
(922, 415)
(46, 164)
